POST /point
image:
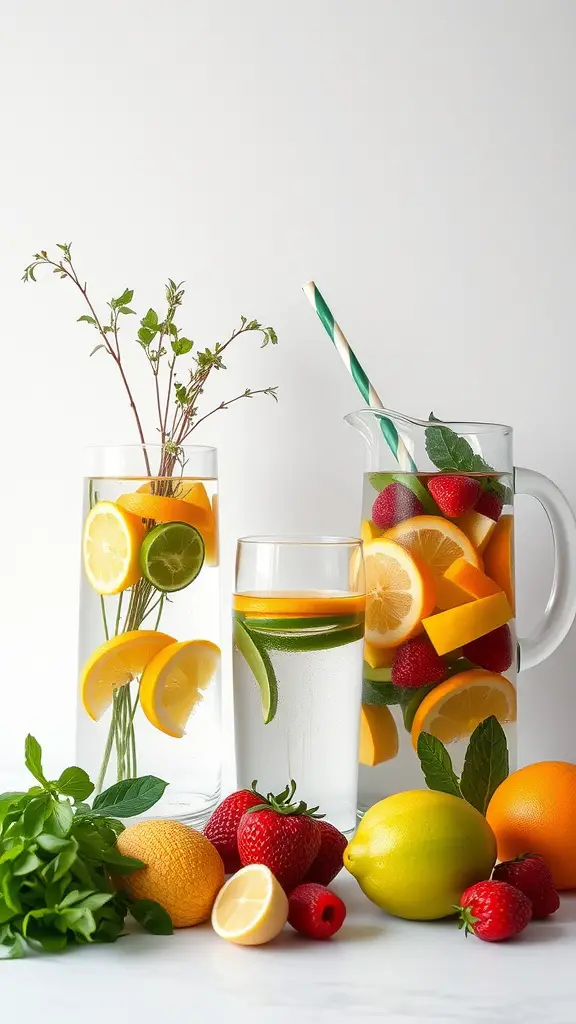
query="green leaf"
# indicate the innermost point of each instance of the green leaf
(79, 921)
(63, 817)
(62, 863)
(97, 349)
(150, 321)
(8, 800)
(33, 759)
(152, 916)
(448, 451)
(181, 346)
(485, 764)
(75, 782)
(27, 863)
(119, 864)
(12, 854)
(87, 320)
(146, 336)
(128, 798)
(381, 693)
(181, 394)
(437, 765)
(127, 311)
(51, 844)
(123, 299)
(33, 817)
(15, 949)
(95, 900)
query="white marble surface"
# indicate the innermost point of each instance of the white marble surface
(377, 968)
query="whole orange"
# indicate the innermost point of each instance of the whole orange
(534, 811)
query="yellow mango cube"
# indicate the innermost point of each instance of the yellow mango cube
(378, 657)
(378, 735)
(458, 626)
(470, 580)
(369, 531)
(478, 528)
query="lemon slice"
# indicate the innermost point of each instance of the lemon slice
(111, 548)
(173, 681)
(438, 543)
(252, 908)
(115, 663)
(452, 710)
(400, 592)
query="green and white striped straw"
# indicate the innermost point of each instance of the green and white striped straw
(369, 394)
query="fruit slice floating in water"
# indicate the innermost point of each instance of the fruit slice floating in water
(262, 670)
(472, 581)
(400, 592)
(111, 548)
(452, 710)
(369, 531)
(171, 556)
(458, 626)
(438, 543)
(252, 907)
(499, 557)
(115, 663)
(378, 657)
(378, 735)
(196, 494)
(163, 510)
(478, 528)
(173, 682)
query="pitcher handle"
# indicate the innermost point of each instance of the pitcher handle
(561, 608)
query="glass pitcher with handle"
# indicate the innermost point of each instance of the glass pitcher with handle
(441, 653)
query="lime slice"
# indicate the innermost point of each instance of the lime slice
(410, 709)
(299, 642)
(261, 668)
(299, 624)
(171, 556)
(377, 675)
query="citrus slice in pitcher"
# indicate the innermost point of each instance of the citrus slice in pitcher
(452, 710)
(173, 682)
(111, 548)
(438, 543)
(163, 509)
(115, 663)
(171, 556)
(400, 592)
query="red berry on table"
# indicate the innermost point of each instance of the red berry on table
(282, 835)
(531, 874)
(493, 651)
(222, 826)
(395, 504)
(454, 494)
(489, 504)
(315, 911)
(494, 911)
(416, 664)
(330, 857)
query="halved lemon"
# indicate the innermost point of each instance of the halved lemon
(400, 592)
(173, 681)
(115, 663)
(438, 543)
(452, 710)
(252, 908)
(111, 548)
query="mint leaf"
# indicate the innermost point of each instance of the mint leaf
(33, 817)
(380, 693)
(152, 916)
(119, 864)
(450, 452)
(486, 763)
(181, 346)
(75, 782)
(33, 759)
(437, 765)
(128, 798)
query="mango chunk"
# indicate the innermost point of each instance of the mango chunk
(448, 594)
(378, 657)
(469, 580)
(499, 560)
(378, 735)
(369, 531)
(458, 626)
(478, 528)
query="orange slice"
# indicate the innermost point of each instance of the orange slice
(459, 626)
(378, 735)
(499, 557)
(173, 682)
(472, 582)
(196, 494)
(163, 510)
(298, 605)
(400, 592)
(438, 543)
(452, 710)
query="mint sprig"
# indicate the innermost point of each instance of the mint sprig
(486, 764)
(57, 856)
(451, 453)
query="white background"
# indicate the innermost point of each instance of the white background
(416, 158)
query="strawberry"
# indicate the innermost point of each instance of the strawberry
(222, 826)
(533, 877)
(493, 651)
(315, 911)
(453, 494)
(417, 664)
(394, 504)
(489, 504)
(282, 835)
(329, 859)
(494, 911)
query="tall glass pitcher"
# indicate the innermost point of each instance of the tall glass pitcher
(149, 700)
(441, 652)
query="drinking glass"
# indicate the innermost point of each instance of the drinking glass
(298, 633)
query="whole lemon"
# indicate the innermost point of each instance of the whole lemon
(183, 872)
(415, 853)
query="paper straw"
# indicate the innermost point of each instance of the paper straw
(358, 374)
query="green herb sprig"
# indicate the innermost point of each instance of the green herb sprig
(57, 855)
(486, 764)
(451, 453)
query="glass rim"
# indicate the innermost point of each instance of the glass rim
(459, 426)
(301, 540)
(139, 445)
